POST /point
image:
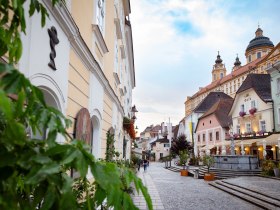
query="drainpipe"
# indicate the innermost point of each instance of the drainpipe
(273, 123)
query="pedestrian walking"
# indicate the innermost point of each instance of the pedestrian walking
(139, 164)
(145, 164)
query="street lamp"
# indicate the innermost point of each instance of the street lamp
(133, 112)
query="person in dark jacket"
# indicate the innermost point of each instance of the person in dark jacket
(145, 164)
(139, 164)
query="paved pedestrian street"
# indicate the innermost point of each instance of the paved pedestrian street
(170, 191)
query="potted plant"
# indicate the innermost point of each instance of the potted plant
(183, 155)
(208, 161)
(268, 167)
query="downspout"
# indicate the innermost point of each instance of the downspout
(273, 123)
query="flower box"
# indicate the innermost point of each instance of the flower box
(242, 114)
(252, 111)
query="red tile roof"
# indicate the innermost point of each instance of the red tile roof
(228, 77)
(220, 109)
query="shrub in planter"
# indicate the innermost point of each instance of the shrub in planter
(183, 155)
(267, 167)
(208, 161)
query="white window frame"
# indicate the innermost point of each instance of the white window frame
(100, 14)
(253, 104)
(278, 85)
(242, 107)
(238, 129)
(116, 55)
(278, 114)
(262, 125)
(248, 125)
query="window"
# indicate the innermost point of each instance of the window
(259, 54)
(116, 55)
(203, 137)
(242, 108)
(250, 58)
(198, 138)
(253, 104)
(262, 125)
(238, 129)
(100, 14)
(166, 145)
(278, 112)
(248, 127)
(221, 75)
(210, 136)
(278, 85)
(217, 135)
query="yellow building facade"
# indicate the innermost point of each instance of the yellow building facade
(101, 71)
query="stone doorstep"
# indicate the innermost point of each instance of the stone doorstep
(256, 195)
(255, 191)
(243, 196)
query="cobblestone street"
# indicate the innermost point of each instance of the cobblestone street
(171, 191)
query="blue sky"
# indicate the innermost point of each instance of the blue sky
(176, 44)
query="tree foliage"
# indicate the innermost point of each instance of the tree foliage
(180, 144)
(34, 174)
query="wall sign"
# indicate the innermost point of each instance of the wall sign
(53, 41)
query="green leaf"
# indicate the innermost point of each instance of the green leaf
(49, 198)
(5, 105)
(81, 164)
(99, 196)
(41, 159)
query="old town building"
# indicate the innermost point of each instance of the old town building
(83, 62)
(229, 83)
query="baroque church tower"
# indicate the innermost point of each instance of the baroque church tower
(219, 69)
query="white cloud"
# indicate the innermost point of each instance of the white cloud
(171, 65)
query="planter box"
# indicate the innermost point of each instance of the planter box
(209, 177)
(184, 173)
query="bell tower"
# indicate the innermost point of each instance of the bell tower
(219, 69)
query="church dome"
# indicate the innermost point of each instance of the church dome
(259, 41)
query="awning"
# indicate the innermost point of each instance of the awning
(248, 142)
(270, 140)
(209, 147)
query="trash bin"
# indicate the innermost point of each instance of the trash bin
(195, 174)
